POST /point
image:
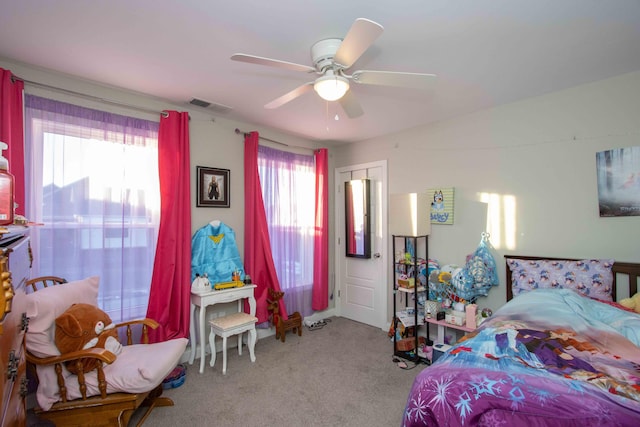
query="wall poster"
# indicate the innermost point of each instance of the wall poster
(441, 205)
(618, 172)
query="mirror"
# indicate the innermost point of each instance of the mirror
(356, 201)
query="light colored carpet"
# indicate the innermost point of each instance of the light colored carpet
(340, 375)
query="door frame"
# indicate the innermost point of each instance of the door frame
(382, 317)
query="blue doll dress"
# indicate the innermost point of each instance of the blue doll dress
(214, 252)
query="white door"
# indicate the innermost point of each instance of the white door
(361, 283)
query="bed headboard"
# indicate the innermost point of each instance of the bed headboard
(627, 269)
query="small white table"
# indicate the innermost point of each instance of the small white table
(442, 325)
(202, 301)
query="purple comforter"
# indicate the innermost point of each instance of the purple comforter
(548, 358)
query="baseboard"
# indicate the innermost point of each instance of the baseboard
(320, 315)
(262, 333)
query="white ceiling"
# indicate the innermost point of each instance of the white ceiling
(485, 52)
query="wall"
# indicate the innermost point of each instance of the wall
(535, 161)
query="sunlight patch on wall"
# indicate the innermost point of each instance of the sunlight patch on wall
(501, 219)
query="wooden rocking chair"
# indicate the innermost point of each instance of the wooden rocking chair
(109, 395)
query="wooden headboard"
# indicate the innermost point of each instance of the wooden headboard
(628, 269)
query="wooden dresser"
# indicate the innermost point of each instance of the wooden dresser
(15, 266)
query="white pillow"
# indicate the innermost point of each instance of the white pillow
(45, 305)
(139, 368)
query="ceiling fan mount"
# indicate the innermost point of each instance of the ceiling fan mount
(323, 53)
(331, 58)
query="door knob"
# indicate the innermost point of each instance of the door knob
(376, 255)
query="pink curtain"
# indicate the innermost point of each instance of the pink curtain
(258, 260)
(170, 285)
(320, 299)
(12, 131)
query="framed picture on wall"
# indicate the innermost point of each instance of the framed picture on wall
(618, 172)
(213, 187)
(442, 205)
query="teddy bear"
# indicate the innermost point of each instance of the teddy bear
(632, 303)
(85, 326)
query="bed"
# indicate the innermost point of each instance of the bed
(561, 352)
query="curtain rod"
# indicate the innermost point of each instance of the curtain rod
(313, 150)
(238, 131)
(90, 97)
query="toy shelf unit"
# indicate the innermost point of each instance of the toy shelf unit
(410, 261)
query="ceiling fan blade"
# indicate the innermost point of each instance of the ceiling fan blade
(396, 79)
(350, 105)
(361, 35)
(252, 59)
(289, 96)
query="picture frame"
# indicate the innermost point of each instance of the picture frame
(442, 205)
(212, 187)
(618, 175)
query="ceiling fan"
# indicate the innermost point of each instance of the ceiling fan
(331, 59)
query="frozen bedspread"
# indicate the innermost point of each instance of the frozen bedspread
(547, 358)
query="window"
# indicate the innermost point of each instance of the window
(92, 182)
(288, 189)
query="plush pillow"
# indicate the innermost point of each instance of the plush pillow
(590, 277)
(85, 326)
(632, 303)
(45, 305)
(138, 368)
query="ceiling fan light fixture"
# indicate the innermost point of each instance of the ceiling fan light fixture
(331, 87)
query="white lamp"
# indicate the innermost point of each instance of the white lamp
(331, 87)
(409, 214)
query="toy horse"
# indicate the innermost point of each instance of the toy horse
(294, 322)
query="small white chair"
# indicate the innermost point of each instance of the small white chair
(226, 326)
